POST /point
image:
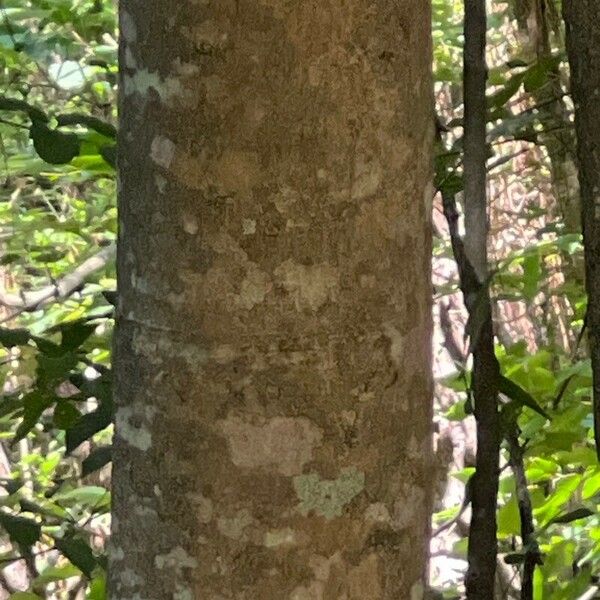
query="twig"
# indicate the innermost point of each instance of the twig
(567, 381)
(62, 288)
(482, 533)
(531, 551)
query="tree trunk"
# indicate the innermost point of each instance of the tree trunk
(583, 49)
(272, 358)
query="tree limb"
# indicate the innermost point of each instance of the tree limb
(531, 551)
(60, 289)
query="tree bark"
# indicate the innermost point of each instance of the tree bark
(272, 356)
(473, 268)
(583, 49)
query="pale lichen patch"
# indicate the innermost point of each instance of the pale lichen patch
(176, 559)
(428, 196)
(203, 507)
(127, 27)
(162, 151)
(285, 199)
(182, 593)
(328, 497)
(117, 554)
(132, 424)
(280, 537)
(417, 591)
(224, 354)
(190, 224)
(145, 512)
(314, 591)
(233, 527)
(283, 443)
(255, 286)
(397, 344)
(310, 286)
(377, 513)
(130, 61)
(367, 180)
(248, 226)
(142, 81)
(161, 183)
(129, 578)
(322, 566)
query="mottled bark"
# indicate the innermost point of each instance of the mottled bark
(273, 384)
(583, 49)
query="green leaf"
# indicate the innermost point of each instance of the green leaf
(88, 121)
(52, 370)
(88, 425)
(20, 529)
(515, 63)
(12, 104)
(538, 74)
(532, 272)
(109, 154)
(52, 574)
(44, 509)
(515, 558)
(90, 496)
(110, 296)
(24, 596)
(97, 459)
(13, 337)
(78, 552)
(515, 392)
(591, 486)
(509, 522)
(457, 411)
(510, 88)
(573, 515)
(65, 414)
(564, 491)
(9, 258)
(35, 403)
(75, 333)
(98, 586)
(53, 146)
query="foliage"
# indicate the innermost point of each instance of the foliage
(546, 384)
(57, 209)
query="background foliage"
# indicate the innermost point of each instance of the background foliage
(58, 68)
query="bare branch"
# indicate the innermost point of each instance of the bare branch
(62, 288)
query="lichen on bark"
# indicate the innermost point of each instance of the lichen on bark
(328, 497)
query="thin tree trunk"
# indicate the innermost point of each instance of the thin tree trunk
(273, 386)
(475, 147)
(481, 574)
(583, 49)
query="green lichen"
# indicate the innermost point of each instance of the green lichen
(328, 497)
